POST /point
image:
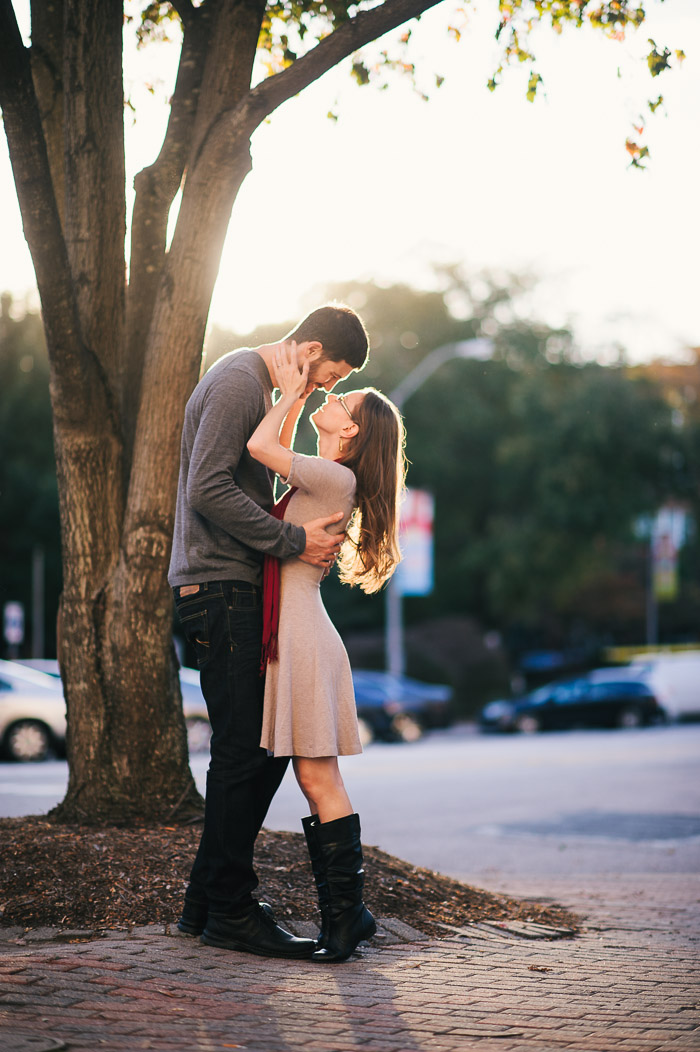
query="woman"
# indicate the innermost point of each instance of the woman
(310, 711)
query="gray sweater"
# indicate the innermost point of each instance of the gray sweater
(222, 525)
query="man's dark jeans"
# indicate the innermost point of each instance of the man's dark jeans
(223, 622)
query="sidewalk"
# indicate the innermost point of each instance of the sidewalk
(629, 982)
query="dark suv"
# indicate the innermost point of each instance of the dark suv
(623, 700)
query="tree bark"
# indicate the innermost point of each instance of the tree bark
(47, 70)
(94, 162)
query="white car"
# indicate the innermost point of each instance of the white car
(33, 712)
(675, 677)
(195, 710)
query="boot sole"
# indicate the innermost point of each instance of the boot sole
(338, 960)
(259, 951)
(323, 959)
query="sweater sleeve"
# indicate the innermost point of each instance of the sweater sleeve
(231, 411)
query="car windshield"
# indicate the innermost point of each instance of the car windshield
(21, 675)
(540, 696)
(563, 691)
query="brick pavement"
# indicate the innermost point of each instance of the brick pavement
(629, 982)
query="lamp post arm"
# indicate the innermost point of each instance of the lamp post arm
(477, 348)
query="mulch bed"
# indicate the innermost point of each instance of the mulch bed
(78, 877)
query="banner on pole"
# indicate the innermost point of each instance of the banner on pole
(668, 532)
(415, 575)
(13, 623)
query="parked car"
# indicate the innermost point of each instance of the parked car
(32, 713)
(33, 723)
(603, 698)
(398, 708)
(194, 708)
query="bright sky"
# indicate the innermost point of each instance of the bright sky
(485, 179)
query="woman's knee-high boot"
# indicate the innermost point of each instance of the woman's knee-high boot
(311, 825)
(349, 920)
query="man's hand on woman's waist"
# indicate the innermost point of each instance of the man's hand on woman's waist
(322, 547)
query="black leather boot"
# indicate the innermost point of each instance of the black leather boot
(194, 916)
(349, 920)
(255, 931)
(311, 826)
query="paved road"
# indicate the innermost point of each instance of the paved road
(487, 808)
(481, 808)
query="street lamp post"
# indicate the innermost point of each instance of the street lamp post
(481, 349)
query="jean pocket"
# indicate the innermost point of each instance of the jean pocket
(246, 598)
(196, 629)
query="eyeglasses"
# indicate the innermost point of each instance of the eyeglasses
(341, 399)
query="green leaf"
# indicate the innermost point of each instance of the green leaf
(360, 72)
(657, 60)
(532, 86)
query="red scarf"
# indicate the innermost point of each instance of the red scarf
(271, 593)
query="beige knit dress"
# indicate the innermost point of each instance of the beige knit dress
(309, 697)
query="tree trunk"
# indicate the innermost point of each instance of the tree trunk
(129, 761)
(126, 738)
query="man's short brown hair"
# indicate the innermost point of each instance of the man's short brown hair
(339, 330)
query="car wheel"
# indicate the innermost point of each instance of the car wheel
(527, 724)
(28, 741)
(406, 727)
(366, 730)
(630, 717)
(198, 734)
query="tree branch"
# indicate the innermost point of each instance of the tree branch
(361, 30)
(185, 10)
(230, 61)
(219, 44)
(235, 124)
(40, 218)
(95, 214)
(156, 187)
(47, 71)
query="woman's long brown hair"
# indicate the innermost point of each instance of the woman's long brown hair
(376, 455)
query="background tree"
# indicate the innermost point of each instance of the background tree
(28, 490)
(680, 385)
(123, 359)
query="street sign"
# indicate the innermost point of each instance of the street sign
(414, 574)
(13, 620)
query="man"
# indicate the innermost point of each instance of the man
(222, 531)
